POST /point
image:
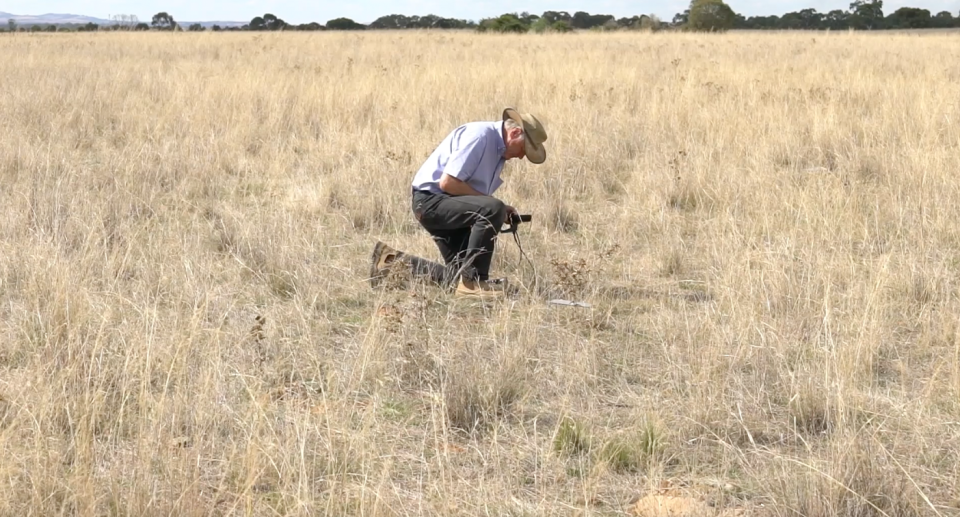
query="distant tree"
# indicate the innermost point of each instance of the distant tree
(810, 19)
(272, 23)
(141, 27)
(430, 21)
(421, 22)
(556, 16)
(909, 18)
(630, 23)
(344, 24)
(528, 18)
(486, 25)
(710, 15)
(267, 22)
(11, 25)
(866, 14)
(543, 25)
(758, 22)
(312, 26)
(540, 26)
(651, 23)
(216, 28)
(581, 20)
(89, 27)
(680, 19)
(584, 20)
(51, 28)
(805, 19)
(196, 27)
(36, 28)
(504, 23)
(163, 21)
(451, 23)
(790, 21)
(836, 20)
(391, 21)
(944, 20)
(125, 21)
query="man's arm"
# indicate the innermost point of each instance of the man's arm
(463, 162)
(456, 187)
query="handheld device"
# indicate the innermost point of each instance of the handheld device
(515, 221)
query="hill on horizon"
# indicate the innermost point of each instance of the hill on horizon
(65, 19)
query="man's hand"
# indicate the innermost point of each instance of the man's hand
(456, 187)
(511, 212)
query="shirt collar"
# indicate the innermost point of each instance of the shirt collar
(501, 147)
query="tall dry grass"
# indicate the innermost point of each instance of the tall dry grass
(764, 224)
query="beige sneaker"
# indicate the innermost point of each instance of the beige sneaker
(381, 262)
(479, 289)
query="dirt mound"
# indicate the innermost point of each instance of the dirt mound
(676, 506)
(671, 506)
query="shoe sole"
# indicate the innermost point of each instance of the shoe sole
(376, 273)
(495, 295)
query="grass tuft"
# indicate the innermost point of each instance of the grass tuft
(476, 398)
(634, 450)
(572, 438)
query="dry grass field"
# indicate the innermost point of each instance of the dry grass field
(765, 226)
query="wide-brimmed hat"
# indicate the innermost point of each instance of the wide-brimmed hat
(534, 134)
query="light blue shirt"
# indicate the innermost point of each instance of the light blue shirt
(472, 153)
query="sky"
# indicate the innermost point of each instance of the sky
(365, 11)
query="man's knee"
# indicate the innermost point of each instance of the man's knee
(495, 212)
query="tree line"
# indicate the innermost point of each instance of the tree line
(701, 15)
(862, 15)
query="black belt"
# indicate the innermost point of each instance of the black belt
(414, 192)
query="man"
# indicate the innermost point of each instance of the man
(452, 199)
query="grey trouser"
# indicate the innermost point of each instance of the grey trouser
(464, 229)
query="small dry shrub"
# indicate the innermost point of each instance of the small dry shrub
(859, 480)
(920, 288)
(282, 283)
(814, 412)
(417, 368)
(673, 262)
(563, 219)
(811, 414)
(635, 450)
(572, 438)
(372, 217)
(870, 169)
(475, 398)
(684, 198)
(574, 276)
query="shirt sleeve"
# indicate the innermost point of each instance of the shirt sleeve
(465, 157)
